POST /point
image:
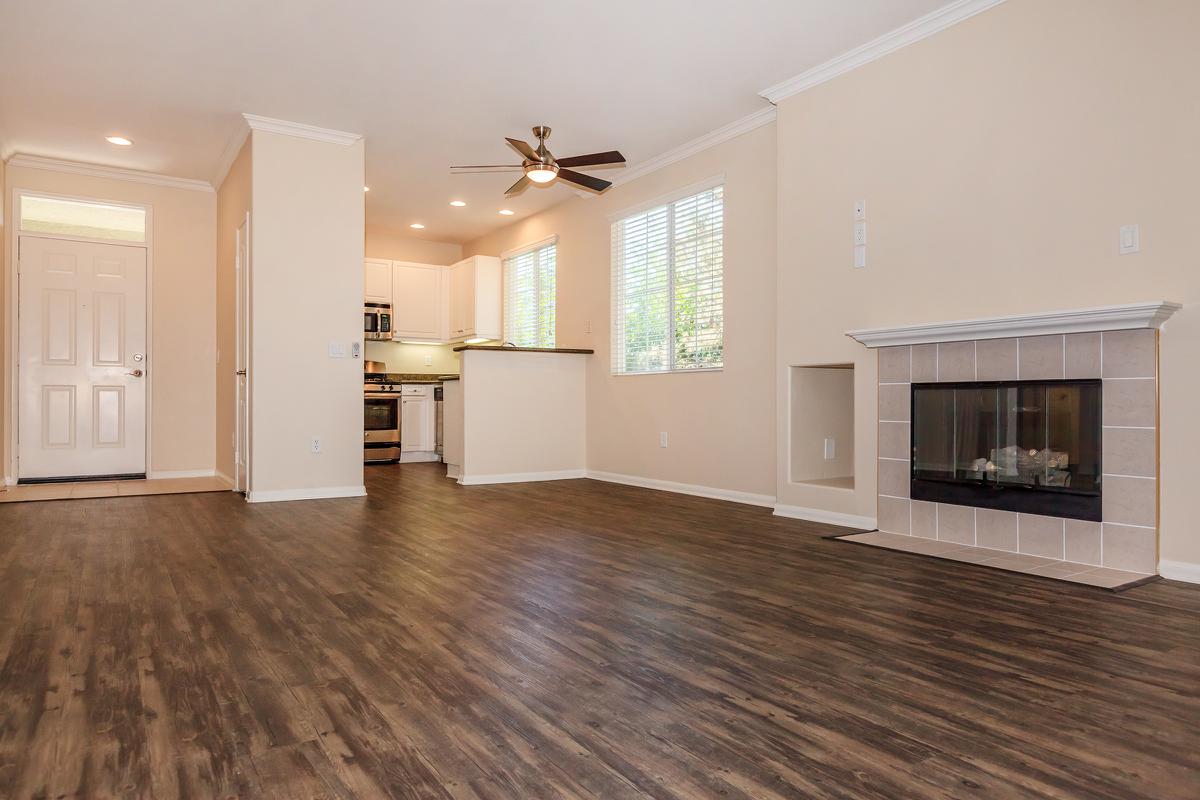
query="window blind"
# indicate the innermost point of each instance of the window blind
(529, 294)
(668, 286)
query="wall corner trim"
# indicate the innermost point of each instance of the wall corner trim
(318, 493)
(920, 28)
(827, 517)
(230, 154)
(299, 129)
(1179, 571)
(713, 138)
(101, 171)
(1126, 317)
(732, 495)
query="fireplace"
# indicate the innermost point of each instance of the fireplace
(1027, 446)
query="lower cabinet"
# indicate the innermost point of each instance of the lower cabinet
(418, 420)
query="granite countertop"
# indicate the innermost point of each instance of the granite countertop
(418, 377)
(444, 378)
(523, 349)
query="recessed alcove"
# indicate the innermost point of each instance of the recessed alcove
(821, 446)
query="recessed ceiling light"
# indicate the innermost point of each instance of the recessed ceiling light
(508, 212)
(366, 188)
(417, 225)
(458, 203)
(121, 140)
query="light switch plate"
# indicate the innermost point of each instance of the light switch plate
(860, 210)
(1130, 239)
(830, 449)
(337, 350)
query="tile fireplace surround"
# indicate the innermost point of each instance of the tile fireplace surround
(1125, 360)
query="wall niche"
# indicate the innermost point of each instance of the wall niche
(821, 451)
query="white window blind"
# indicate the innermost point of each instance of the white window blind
(529, 296)
(668, 286)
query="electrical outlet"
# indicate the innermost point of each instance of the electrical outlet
(1130, 240)
(662, 438)
(830, 449)
(316, 444)
(429, 361)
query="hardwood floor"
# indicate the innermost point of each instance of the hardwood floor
(574, 639)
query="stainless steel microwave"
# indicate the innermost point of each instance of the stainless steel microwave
(377, 321)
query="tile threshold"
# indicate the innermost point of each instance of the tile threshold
(1021, 563)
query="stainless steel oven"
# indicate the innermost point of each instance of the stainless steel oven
(381, 419)
(377, 321)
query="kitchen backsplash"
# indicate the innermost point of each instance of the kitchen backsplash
(412, 357)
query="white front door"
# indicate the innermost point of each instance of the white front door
(81, 403)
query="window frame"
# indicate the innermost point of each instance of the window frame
(517, 252)
(617, 315)
(20, 194)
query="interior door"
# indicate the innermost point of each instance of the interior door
(242, 360)
(82, 361)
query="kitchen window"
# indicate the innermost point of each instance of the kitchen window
(529, 289)
(668, 285)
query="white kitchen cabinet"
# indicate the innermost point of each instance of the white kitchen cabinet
(418, 302)
(475, 299)
(377, 281)
(418, 432)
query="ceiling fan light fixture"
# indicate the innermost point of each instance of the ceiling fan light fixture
(541, 173)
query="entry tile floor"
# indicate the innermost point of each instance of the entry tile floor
(130, 488)
(1087, 574)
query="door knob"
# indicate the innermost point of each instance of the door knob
(240, 372)
(137, 373)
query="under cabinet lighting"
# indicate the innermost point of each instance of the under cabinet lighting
(474, 341)
(119, 140)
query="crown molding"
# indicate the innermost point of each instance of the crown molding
(230, 154)
(100, 171)
(903, 36)
(723, 134)
(300, 130)
(1081, 320)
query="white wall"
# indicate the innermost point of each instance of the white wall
(524, 414)
(181, 364)
(998, 159)
(720, 424)
(307, 289)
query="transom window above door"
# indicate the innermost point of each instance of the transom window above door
(529, 294)
(82, 219)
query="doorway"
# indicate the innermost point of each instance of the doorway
(82, 358)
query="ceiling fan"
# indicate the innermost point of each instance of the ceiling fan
(541, 167)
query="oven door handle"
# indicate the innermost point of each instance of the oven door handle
(381, 396)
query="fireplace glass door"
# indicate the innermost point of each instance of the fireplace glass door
(1039, 438)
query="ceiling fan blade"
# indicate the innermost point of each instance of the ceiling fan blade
(517, 187)
(592, 159)
(586, 181)
(523, 148)
(484, 167)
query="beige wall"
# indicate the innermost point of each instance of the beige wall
(233, 202)
(822, 407)
(181, 362)
(307, 289)
(397, 246)
(720, 423)
(511, 400)
(998, 159)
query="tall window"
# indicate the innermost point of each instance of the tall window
(668, 288)
(529, 295)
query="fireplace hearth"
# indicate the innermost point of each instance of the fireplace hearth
(1026, 446)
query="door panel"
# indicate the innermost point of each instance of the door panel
(81, 336)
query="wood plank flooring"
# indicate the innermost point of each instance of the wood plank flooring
(570, 639)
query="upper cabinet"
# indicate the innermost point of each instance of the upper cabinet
(438, 304)
(475, 299)
(418, 304)
(377, 281)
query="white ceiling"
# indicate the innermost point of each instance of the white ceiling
(428, 84)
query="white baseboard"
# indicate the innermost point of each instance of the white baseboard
(828, 517)
(318, 493)
(418, 456)
(227, 478)
(1179, 571)
(453, 471)
(159, 474)
(732, 495)
(522, 477)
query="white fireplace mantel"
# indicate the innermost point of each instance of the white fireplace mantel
(1080, 320)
